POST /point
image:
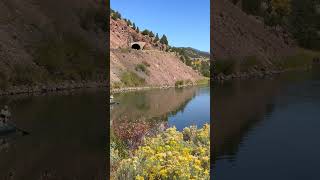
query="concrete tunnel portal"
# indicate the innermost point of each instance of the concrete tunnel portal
(137, 45)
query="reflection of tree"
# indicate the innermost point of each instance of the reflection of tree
(238, 108)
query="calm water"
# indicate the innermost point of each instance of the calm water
(268, 129)
(141, 113)
(66, 141)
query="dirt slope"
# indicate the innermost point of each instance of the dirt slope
(164, 68)
(236, 34)
(34, 32)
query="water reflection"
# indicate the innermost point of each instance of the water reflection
(149, 112)
(239, 106)
(66, 141)
(262, 127)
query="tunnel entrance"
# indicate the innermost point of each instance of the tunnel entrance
(136, 46)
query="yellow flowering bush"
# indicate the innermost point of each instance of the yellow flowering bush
(170, 155)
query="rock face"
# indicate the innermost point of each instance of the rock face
(236, 34)
(122, 35)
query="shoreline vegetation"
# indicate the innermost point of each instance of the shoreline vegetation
(251, 68)
(178, 84)
(171, 154)
(53, 87)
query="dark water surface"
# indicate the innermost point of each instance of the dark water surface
(66, 141)
(267, 129)
(140, 113)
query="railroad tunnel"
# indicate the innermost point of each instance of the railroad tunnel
(136, 46)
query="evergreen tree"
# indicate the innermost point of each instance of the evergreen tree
(151, 34)
(129, 23)
(145, 32)
(115, 15)
(304, 23)
(134, 26)
(164, 40)
(138, 30)
(156, 39)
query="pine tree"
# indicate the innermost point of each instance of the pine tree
(134, 26)
(156, 39)
(145, 32)
(129, 23)
(164, 40)
(151, 34)
(138, 30)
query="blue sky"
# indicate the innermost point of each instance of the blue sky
(186, 23)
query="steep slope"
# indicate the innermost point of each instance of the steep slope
(152, 66)
(236, 34)
(45, 41)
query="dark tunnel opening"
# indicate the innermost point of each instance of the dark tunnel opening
(136, 46)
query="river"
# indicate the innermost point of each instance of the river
(67, 137)
(267, 129)
(144, 113)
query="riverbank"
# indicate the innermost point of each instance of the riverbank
(256, 74)
(252, 68)
(52, 87)
(144, 88)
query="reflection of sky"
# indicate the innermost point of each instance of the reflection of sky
(196, 112)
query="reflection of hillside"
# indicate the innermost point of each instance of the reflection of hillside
(145, 113)
(237, 108)
(66, 140)
(151, 104)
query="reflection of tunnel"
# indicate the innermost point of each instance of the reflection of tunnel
(135, 46)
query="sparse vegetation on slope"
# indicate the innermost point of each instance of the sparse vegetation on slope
(200, 60)
(300, 18)
(70, 45)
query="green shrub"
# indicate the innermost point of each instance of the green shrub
(249, 62)
(179, 83)
(69, 56)
(115, 15)
(203, 81)
(302, 59)
(116, 85)
(205, 68)
(226, 66)
(188, 82)
(4, 83)
(125, 50)
(146, 63)
(130, 79)
(142, 68)
(169, 155)
(145, 32)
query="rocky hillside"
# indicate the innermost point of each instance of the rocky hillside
(152, 66)
(121, 35)
(45, 41)
(236, 34)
